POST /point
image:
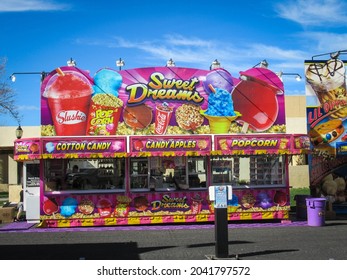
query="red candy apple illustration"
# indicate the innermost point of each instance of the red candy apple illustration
(255, 97)
(280, 198)
(138, 145)
(104, 207)
(50, 206)
(34, 148)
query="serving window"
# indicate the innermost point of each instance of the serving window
(84, 174)
(138, 173)
(248, 171)
(167, 173)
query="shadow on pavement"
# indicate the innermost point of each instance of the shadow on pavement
(334, 224)
(213, 244)
(96, 251)
(265, 252)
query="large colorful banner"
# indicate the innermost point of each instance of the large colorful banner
(326, 121)
(159, 101)
(326, 80)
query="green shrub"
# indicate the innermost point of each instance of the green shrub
(297, 191)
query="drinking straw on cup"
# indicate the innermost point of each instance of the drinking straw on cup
(60, 72)
(212, 88)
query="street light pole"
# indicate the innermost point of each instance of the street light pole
(297, 76)
(71, 63)
(262, 64)
(120, 63)
(215, 65)
(43, 75)
(170, 63)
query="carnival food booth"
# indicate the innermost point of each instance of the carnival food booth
(327, 127)
(142, 146)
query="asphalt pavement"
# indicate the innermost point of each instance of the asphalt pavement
(270, 240)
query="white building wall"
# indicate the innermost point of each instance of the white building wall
(12, 171)
(9, 167)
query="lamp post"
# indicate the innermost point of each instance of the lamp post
(297, 76)
(19, 132)
(262, 64)
(71, 63)
(170, 63)
(120, 63)
(215, 64)
(333, 55)
(43, 75)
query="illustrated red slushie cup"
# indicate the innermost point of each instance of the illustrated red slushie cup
(68, 100)
(162, 118)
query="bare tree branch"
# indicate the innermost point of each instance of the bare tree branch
(7, 94)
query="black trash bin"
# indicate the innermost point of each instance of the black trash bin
(301, 208)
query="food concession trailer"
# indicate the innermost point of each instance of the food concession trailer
(327, 127)
(142, 146)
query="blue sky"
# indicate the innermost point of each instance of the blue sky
(41, 35)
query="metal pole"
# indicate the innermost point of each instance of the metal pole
(221, 232)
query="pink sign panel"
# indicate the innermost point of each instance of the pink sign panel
(83, 146)
(167, 143)
(259, 144)
(30, 148)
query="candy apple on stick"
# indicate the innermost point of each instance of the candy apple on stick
(255, 97)
(50, 207)
(280, 199)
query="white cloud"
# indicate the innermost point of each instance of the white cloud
(314, 12)
(21, 108)
(200, 53)
(30, 5)
(275, 52)
(179, 40)
(327, 42)
(184, 49)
